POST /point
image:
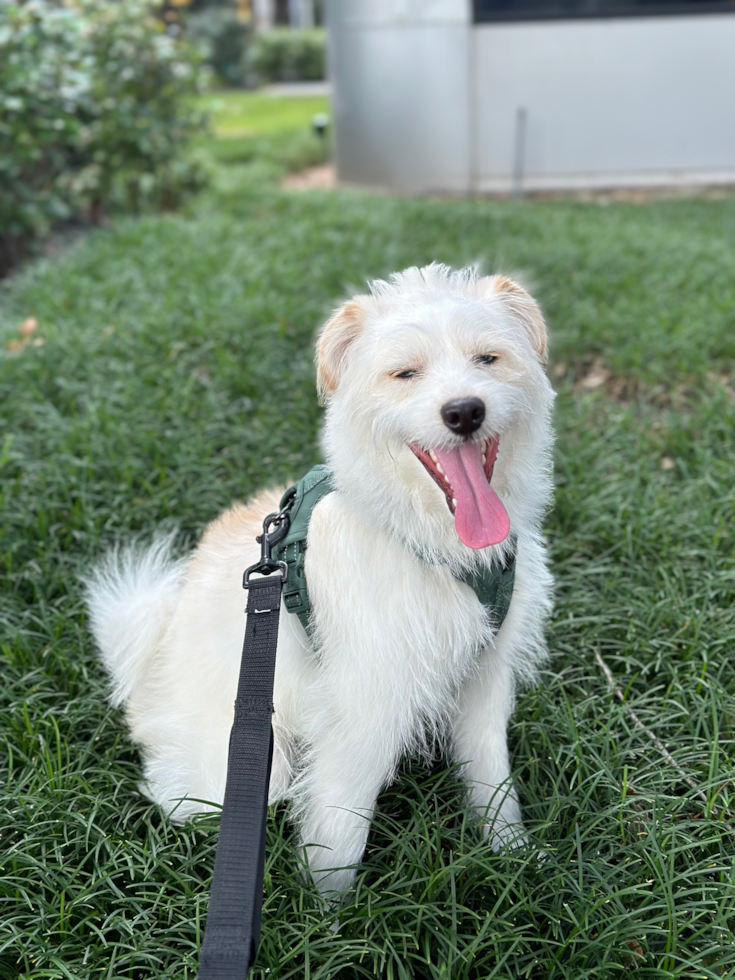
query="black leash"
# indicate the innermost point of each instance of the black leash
(233, 924)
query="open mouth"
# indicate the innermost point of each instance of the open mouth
(463, 474)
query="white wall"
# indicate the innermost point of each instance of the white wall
(425, 101)
(609, 102)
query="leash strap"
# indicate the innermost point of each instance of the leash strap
(233, 923)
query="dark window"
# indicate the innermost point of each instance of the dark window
(498, 10)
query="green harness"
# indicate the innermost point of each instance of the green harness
(493, 587)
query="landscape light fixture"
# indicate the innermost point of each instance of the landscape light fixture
(320, 122)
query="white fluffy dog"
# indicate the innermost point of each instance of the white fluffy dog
(438, 434)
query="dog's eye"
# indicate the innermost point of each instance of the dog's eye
(486, 358)
(410, 373)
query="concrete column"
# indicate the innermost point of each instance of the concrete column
(262, 15)
(301, 13)
(401, 72)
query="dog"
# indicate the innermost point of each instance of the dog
(438, 433)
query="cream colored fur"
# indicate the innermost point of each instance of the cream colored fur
(402, 652)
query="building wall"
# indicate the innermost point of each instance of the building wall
(426, 101)
(608, 102)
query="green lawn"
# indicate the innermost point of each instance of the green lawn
(260, 136)
(234, 113)
(175, 375)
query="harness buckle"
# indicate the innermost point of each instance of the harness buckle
(268, 540)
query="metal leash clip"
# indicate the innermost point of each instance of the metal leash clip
(267, 565)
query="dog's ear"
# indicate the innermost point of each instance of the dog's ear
(333, 343)
(524, 308)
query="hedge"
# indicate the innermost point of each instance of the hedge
(285, 55)
(95, 113)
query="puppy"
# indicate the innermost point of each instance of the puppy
(438, 434)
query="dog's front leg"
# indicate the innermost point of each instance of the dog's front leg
(479, 741)
(351, 760)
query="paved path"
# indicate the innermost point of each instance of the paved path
(299, 88)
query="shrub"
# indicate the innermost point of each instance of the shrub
(225, 38)
(287, 55)
(94, 114)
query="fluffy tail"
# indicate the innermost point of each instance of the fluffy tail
(131, 597)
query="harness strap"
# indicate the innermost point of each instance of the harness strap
(299, 502)
(233, 922)
(492, 586)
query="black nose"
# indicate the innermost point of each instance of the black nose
(464, 416)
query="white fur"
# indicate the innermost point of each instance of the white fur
(402, 653)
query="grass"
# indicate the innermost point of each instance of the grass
(236, 113)
(175, 374)
(260, 137)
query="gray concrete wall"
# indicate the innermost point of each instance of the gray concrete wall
(638, 101)
(425, 101)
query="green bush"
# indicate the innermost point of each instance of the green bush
(94, 113)
(287, 55)
(225, 39)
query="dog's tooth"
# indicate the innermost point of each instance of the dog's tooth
(454, 502)
(439, 468)
(484, 459)
(432, 454)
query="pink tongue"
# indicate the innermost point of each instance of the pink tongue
(480, 518)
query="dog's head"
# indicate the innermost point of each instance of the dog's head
(438, 405)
